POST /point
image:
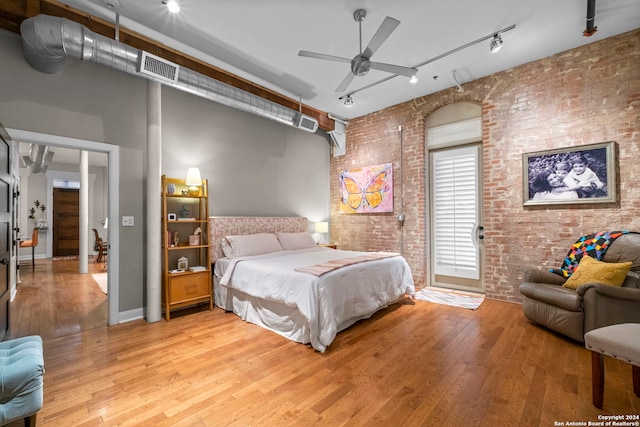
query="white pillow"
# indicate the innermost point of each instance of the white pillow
(291, 241)
(250, 244)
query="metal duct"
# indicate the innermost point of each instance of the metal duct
(47, 41)
(38, 159)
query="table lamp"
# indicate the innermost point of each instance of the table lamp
(193, 181)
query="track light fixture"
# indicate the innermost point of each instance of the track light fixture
(348, 101)
(496, 43)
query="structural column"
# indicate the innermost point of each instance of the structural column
(154, 207)
(84, 212)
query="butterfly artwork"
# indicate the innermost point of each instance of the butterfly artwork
(367, 189)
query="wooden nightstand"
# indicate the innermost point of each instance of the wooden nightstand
(322, 245)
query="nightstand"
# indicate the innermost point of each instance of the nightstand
(322, 245)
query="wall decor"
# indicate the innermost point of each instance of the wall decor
(367, 189)
(574, 175)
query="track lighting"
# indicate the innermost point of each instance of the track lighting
(348, 101)
(172, 5)
(496, 43)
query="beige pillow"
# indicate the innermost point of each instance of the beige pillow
(291, 241)
(591, 270)
(249, 245)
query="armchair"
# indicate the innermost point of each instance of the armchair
(573, 313)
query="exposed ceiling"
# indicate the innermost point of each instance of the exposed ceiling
(67, 156)
(259, 40)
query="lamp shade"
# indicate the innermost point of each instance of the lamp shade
(193, 177)
(322, 227)
(193, 181)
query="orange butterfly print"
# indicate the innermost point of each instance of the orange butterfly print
(368, 197)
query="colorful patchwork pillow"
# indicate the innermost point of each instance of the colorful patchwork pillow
(593, 245)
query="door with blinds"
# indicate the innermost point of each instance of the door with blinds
(456, 230)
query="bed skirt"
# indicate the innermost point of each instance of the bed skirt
(274, 316)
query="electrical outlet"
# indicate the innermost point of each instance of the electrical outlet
(127, 221)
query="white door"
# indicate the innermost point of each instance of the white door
(456, 230)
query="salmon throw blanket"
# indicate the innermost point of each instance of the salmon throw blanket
(325, 267)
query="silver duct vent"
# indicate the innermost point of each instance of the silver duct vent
(47, 41)
(158, 68)
(39, 158)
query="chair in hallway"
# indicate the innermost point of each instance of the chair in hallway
(101, 246)
(31, 244)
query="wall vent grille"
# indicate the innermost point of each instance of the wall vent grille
(158, 68)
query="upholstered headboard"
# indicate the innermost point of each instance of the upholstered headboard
(220, 226)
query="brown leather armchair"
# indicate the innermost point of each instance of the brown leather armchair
(575, 312)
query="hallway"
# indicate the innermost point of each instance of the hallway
(54, 300)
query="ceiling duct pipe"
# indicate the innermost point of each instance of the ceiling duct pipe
(591, 19)
(38, 159)
(47, 41)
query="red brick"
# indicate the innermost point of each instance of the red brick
(586, 95)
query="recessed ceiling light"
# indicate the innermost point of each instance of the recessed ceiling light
(413, 79)
(172, 5)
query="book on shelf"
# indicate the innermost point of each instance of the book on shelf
(197, 268)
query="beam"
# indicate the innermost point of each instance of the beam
(13, 12)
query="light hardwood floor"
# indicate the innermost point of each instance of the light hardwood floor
(415, 363)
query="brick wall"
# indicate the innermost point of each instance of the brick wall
(582, 96)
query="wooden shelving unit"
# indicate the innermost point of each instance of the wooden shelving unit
(182, 215)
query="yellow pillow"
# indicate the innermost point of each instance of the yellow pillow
(591, 270)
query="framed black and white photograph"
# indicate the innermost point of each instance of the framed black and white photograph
(171, 217)
(575, 175)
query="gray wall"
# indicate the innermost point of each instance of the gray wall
(254, 166)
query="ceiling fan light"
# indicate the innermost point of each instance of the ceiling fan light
(348, 101)
(172, 5)
(496, 43)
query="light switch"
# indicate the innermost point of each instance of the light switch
(127, 221)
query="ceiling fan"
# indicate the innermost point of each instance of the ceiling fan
(361, 63)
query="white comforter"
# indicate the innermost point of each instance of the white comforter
(327, 302)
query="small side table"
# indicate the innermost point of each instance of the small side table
(323, 245)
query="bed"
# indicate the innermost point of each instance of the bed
(269, 272)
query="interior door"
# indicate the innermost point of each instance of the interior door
(66, 222)
(5, 233)
(456, 228)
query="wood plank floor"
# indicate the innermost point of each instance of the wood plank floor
(413, 364)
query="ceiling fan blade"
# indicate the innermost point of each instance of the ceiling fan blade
(386, 28)
(345, 83)
(394, 69)
(315, 55)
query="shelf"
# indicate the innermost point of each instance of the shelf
(185, 288)
(175, 248)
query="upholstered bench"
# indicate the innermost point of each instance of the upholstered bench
(21, 371)
(621, 342)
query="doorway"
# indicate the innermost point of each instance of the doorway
(66, 222)
(455, 233)
(113, 165)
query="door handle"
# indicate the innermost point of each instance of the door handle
(4, 261)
